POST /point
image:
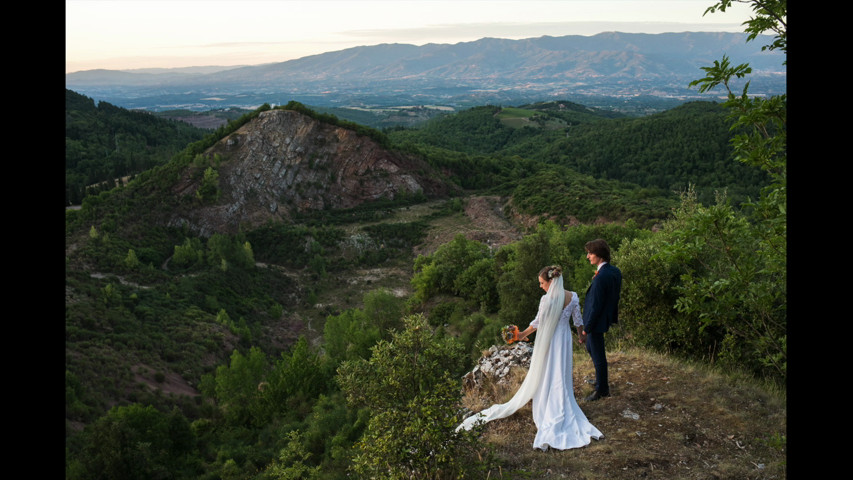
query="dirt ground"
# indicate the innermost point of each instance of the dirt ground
(483, 221)
(663, 420)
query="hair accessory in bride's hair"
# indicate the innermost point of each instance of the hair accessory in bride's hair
(553, 271)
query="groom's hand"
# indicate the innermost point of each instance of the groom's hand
(581, 335)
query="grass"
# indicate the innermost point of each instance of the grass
(520, 117)
(664, 420)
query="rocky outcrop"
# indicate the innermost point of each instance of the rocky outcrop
(496, 364)
(284, 162)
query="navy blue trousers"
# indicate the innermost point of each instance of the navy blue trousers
(595, 346)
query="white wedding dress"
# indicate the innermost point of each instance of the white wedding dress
(560, 422)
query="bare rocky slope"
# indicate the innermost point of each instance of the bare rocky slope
(284, 162)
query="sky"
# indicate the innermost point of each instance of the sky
(131, 34)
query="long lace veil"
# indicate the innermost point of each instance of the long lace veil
(550, 308)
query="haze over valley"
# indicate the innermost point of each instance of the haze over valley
(634, 73)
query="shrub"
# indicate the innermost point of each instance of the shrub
(410, 385)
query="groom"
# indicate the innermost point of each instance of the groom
(600, 311)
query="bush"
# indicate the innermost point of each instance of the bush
(410, 385)
(139, 442)
(437, 273)
(705, 287)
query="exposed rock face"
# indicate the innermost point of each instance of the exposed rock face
(497, 363)
(284, 161)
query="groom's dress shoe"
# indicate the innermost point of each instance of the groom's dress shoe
(595, 396)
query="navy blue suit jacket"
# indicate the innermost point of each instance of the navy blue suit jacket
(601, 304)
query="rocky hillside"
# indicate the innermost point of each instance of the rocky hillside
(284, 162)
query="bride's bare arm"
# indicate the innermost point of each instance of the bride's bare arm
(527, 331)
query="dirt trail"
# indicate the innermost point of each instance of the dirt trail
(484, 222)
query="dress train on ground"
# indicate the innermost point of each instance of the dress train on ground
(560, 422)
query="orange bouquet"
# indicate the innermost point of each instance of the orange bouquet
(510, 333)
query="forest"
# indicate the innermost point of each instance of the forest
(291, 372)
(104, 143)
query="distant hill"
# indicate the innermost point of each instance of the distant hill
(666, 151)
(104, 142)
(284, 163)
(489, 70)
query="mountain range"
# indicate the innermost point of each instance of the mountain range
(489, 70)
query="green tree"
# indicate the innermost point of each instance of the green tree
(518, 286)
(437, 273)
(111, 294)
(332, 430)
(218, 249)
(291, 463)
(762, 144)
(478, 284)
(139, 442)
(410, 386)
(349, 335)
(700, 288)
(208, 190)
(762, 120)
(724, 269)
(238, 386)
(318, 265)
(223, 318)
(731, 284)
(384, 309)
(188, 254)
(131, 261)
(248, 254)
(650, 292)
(296, 380)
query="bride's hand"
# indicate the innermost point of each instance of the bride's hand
(522, 336)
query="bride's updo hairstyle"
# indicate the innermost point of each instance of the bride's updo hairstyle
(550, 272)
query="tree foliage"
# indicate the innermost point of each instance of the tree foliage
(701, 289)
(331, 119)
(562, 194)
(238, 386)
(667, 151)
(724, 269)
(208, 191)
(409, 383)
(138, 442)
(351, 334)
(291, 463)
(104, 143)
(437, 273)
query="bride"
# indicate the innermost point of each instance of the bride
(560, 423)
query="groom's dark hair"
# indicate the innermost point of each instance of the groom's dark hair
(599, 248)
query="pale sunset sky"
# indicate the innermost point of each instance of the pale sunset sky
(130, 34)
